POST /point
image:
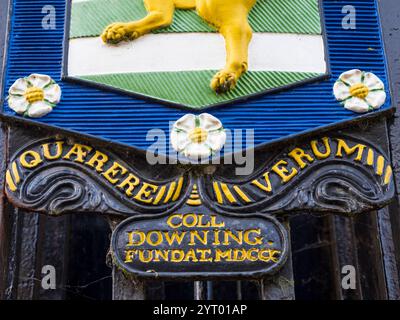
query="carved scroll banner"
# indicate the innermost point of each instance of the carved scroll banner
(342, 175)
(55, 177)
(200, 222)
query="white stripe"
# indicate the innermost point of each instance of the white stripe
(194, 51)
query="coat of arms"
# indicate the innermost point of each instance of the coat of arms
(196, 53)
(117, 68)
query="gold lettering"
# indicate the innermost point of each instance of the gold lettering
(342, 146)
(34, 162)
(250, 255)
(46, 150)
(131, 181)
(175, 216)
(228, 234)
(388, 175)
(267, 187)
(195, 234)
(216, 238)
(98, 161)
(215, 224)
(15, 172)
(178, 189)
(237, 256)
(203, 253)
(201, 224)
(159, 238)
(175, 237)
(159, 195)
(191, 255)
(131, 238)
(370, 157)
(219, 254)
(13, 179)
(79, 151)
(282, 171)
(241, 194)
(298, 155)
(145, 191)
(380, 162)
(177, 255)
(129, 255)
(142, 257)
(10, 182)
(186, 220)
(115, 169)
(217, 192)
(268, 255)
(319, 154)
(257, 240)
(164, 254)
(228, 194)
(170, 192)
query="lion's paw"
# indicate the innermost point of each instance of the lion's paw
(223, 81)
(117, 32)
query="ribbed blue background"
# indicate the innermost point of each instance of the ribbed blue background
(126, 120)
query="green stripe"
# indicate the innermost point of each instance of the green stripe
(191, 88)
(89, 18)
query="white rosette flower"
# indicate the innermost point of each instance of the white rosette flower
(34, 96)
(360, 91)
(198, 136)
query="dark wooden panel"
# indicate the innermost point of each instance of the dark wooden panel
(280, 286)
(126, 289)
(179, 290)
(53, 251)
(89, 276)
(4, 223)
(312, 252)
(390, 16)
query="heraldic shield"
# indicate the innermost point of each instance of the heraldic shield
(176, 63)
(116, 69)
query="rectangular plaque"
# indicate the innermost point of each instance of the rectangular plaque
(200, 245)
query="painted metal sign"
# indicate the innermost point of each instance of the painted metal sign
(107, 86)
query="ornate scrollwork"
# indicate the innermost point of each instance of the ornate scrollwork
(56, 177)
(340, 175)
(336, 175)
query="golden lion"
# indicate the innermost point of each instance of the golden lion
(230, 17)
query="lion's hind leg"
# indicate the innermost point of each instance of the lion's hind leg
(160, 14)
(237, 39)
(185, 4)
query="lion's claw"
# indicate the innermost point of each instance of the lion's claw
(118, 32)
(223, 82)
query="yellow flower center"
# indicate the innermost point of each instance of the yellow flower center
(359, 90)
(34, 94)
(198, 135)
